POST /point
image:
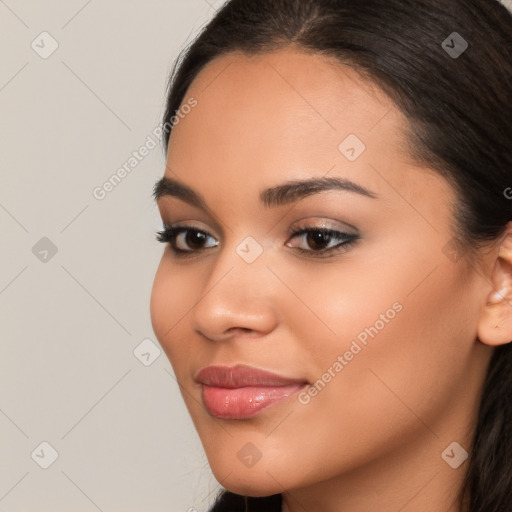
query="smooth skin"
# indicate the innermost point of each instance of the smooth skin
(372, 438)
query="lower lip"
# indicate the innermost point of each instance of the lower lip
(242, 403)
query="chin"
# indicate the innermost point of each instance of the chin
(247, 481)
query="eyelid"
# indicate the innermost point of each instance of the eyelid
(319, 223)
(167, 209)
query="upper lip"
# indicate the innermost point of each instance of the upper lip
(241, 376)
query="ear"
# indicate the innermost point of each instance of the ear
(495, 325)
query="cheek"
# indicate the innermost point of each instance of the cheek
(402, 351)
(169, 304)
(402, 340)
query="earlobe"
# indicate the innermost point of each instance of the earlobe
(495, 326)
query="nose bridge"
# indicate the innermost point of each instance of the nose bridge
(237, 293)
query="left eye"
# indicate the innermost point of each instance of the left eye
(323, 240)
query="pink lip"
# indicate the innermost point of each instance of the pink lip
(240, 391)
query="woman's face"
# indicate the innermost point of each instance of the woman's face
(378, 318)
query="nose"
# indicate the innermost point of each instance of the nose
(237, 298)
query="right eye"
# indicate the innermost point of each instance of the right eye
(191, 239)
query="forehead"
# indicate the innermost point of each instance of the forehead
(287, 96)
(266, 118)
(276, 90)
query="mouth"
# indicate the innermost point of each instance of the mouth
(241, 392)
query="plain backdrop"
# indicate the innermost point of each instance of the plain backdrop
(84, 390)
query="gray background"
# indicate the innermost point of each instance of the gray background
(70, 321)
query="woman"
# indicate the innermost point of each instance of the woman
(335, 296)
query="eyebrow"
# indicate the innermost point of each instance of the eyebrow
(289, 192)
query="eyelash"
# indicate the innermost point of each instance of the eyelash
(169, 234)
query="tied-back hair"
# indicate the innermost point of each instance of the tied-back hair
(459, 110)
